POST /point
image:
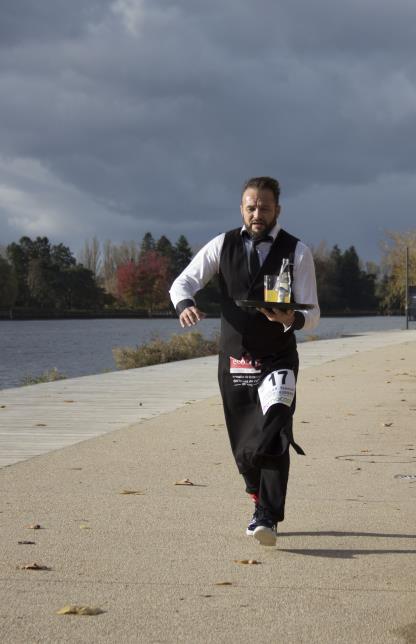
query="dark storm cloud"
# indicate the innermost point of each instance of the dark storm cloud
(24, 21)
(156, 111)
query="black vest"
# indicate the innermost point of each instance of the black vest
(245, 331)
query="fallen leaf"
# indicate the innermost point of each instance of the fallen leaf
(2, 406)
(247, 561)
(34, 526)
(364, 450)
(224, 583)
(83, 526)
(184, 482)
(131, 492)
(79, 610)
(33, 566)
(26, 543)
(69, 401)
(387, 424)
(40, 425)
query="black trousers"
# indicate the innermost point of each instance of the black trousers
(270, 486)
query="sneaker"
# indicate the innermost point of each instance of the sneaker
(265, 532)
(253, 522)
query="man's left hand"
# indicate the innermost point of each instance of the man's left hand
(286, 318)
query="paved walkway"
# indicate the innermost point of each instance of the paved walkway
(39, 418)
(164, 562)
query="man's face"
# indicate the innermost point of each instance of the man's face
(259, 211)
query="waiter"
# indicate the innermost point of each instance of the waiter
(258, 359)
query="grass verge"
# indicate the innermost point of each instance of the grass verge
(47, 376)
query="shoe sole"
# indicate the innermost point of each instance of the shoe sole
(265, 536)
(249, 533)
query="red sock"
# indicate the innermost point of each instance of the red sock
(255, 497)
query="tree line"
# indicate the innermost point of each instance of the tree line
(38, 275)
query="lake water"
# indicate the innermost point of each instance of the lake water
(83, 347)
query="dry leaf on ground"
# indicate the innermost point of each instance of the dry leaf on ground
(387, 424)
(131, 492)
(34, 526)
(224, 583)
(184, 482)
(84, 526)
(26, 543)
(40, 425)
(32, 566)
(247, 561)
(79, 610)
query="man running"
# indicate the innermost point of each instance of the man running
(258, 359)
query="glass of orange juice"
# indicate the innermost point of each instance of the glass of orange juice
(271, 288)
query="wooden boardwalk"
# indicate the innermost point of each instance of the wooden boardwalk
(40, 418)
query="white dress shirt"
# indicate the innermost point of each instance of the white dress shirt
(206, 264)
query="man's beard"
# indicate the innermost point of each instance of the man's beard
(261, 233)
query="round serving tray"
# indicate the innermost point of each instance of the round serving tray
(282, 306)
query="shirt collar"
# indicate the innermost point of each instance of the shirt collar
(273, 232)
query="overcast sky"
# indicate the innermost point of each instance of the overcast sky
(126, 116)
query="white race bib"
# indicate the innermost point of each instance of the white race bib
(278, 387)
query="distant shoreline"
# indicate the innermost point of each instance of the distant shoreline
(27, 315)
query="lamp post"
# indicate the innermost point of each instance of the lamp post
(407, 287)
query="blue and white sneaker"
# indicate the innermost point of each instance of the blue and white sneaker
(265, 532)
(253, 522)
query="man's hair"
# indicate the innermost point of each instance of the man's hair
(263, 183)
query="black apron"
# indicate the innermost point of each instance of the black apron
(257, 440)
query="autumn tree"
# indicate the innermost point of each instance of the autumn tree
(145, 284)
(114, 256)
(127, 284)
(154, 280)
(393, 296)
